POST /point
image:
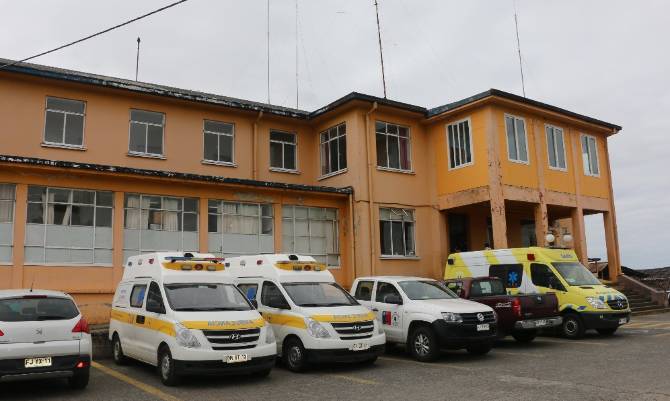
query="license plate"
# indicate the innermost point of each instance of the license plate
(623, 320)
(540, 323)
(37, 362)
(237, 358)
(483, 327)
(359, 347)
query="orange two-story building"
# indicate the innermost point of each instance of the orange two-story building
(94, 169)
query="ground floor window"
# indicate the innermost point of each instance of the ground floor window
(396, 228)
(311, 231)
(7, 199)
(236, 228)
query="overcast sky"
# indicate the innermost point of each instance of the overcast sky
(608, 59)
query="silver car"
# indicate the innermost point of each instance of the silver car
(43, 335)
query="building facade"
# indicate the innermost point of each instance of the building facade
(94, 169)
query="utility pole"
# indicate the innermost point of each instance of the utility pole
(137, 60)
(381, 52)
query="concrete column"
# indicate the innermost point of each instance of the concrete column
(19, 236)
(277, 228)
(499, 223)
(203, 224)
(117, 239)
(579, 234)
(541, 216)
(541, 222)
(613, 262)
(497, 199)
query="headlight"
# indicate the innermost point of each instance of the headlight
(380, 329)
(451, 317)
(596, 302)
(185, 337)
(269, 334)
(316, 329)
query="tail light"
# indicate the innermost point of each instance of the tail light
(81, 327)
(1, 333)
(516, 307)
(81, 364)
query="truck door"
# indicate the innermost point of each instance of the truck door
(363, 292)
(388, 307)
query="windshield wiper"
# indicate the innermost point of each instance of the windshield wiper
(51, 317)
(311, 305)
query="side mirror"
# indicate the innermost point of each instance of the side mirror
(393, 299)
(155, 306)
(254, 303)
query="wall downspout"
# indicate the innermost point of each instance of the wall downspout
(352, 240)
(254, 147)
(370, 188)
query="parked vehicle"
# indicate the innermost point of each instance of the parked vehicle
(314, 318)
(584, 302)
(182, 313)
(520, 316)
(423, 314)
(43, 335)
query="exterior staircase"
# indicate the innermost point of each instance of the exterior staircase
(640, 303)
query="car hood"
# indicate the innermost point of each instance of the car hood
(449, 305)
(339, 313)
(599, 291)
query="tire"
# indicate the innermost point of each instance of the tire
(423, 344)
(80, 379)
(525, 336)
(166, 368)
(294, 355)
(479, 348)
(117, 351)
(607, 332)
(573, 327)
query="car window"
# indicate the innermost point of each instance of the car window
(155, 294)
(34, 308)
(384, 290)
(137, 295)
(456, 287)
(542, 276)
(510, 274)
(270, 290)
(364, 290)
(249, 290)
(486, 288)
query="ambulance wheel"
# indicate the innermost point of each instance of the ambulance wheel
(117, 351)
(525, 336)
(423, 345)
(166, 367)
(294, 355)
(479, 349)
(572, 328)
(607, 332)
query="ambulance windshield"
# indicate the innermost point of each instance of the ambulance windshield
(201, 297)
(575, 273)
(318, 294)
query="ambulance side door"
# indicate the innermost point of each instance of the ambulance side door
(387, 304)
(275, 309)
(154, 314)
(130, 338)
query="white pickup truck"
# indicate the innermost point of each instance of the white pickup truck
(426, 316)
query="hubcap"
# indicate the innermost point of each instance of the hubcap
(571, 326)
(294, 355)
(165, 366)
(422, 344)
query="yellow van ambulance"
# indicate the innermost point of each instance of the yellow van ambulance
(584, 302)
(183, 313)
(314, 319)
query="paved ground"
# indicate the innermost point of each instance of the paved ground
(634, 364)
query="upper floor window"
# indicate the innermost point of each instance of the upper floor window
(555, 147)
(146, 132)
(393, 146)
(7, 199)
(396, 227)
(334, 149)
(590, 155)
(283, 154)
(460, 144)
(219, 142)
(64, 122)
(517, 148)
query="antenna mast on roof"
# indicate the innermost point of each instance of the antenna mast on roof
(518, 48)
(268, 44)
(297, 92)
(137, 60)
(381, 52)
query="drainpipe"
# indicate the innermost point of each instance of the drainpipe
(352, 237)
(370, 188)
(254, 147)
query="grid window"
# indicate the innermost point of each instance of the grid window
(590, 156)
(311, 231)
(219, 142)
(155, 223)
(334, 149)
(240, 228)
(283, 150)
(396, 227)
(146, 132)
(64, 122)
(393, 146)
(7, 201)
(555, 147)
(69, 226)
(460, 144)
(517, 148)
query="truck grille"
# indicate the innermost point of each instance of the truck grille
(618, 304)
(354, 330)
(473, 318)
(223, 340)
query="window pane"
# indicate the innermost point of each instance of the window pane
(190, 222)
(82, 216)
(551, 147)
(104, 198)
(404, 154)
(382, 157)
(409, 239)
(397, 235)
(334, 158)
(72, 106)
(214, 126)
(35, 213)
(138, 137)
(211, 147)
(276, 155)
(342, 153)
(593, 156)
(53, 131)
(511, 142)
(466, 144)
(392, 129)
(325, 158)
(190, 205)
(560, 150)
(266, 225)
(58, 214)
(342, 129)
(155, 140)
(226, 148)
(403, 131)
(85, 197)
(36, 194)
(282, 136)
(103, 217)
(385, 233)
(59, 195)
(450, 139)
(394, 155)
(214, 223)
(380, 127)
(521, 140)
(146, 116)
(289, 157)
(74, 130)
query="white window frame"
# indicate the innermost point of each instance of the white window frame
(327, 144)
(597, 156)
(409, 147)
(230, 163)
(146, 134)
(404, 211)
(336, 233)
(62, 144)
(223, 215)
(284, 144)
(516, 139)
(565, 152)
(10, 244)
(471, 142)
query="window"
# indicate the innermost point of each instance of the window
(480, 288)
(137, 295)
(146, 132)
(249, 290)
(240, 228)
(364, 290)
(29, 309)
(311, 231)
(511, 274)
(159, 223)
(219, 140)
(70, 226)
(384, 290)
(283, 150)
(155, 296)
(542, 276)
(460, 144)
(590, 156)
(555, 147)
(270, 291)
(393, 146)
(7, 200)
(64, 122)
(517, 148)
(396, 227)
(334, 149)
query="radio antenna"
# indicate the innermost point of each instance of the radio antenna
(381, 52)
(297, 88)
(518, 48)
(268, 44)
(137, 60)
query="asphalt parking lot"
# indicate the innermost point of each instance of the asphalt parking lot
(633, 364)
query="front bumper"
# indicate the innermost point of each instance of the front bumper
(220, 368)
(604, 320)
(344, 354)
(61, 366)
(458, 335)
(535, 324)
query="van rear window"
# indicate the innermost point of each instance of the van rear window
(36, 308)
(510, 274)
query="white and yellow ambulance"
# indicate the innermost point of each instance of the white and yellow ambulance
(314, 319)
(182, 313)
(584, 302)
